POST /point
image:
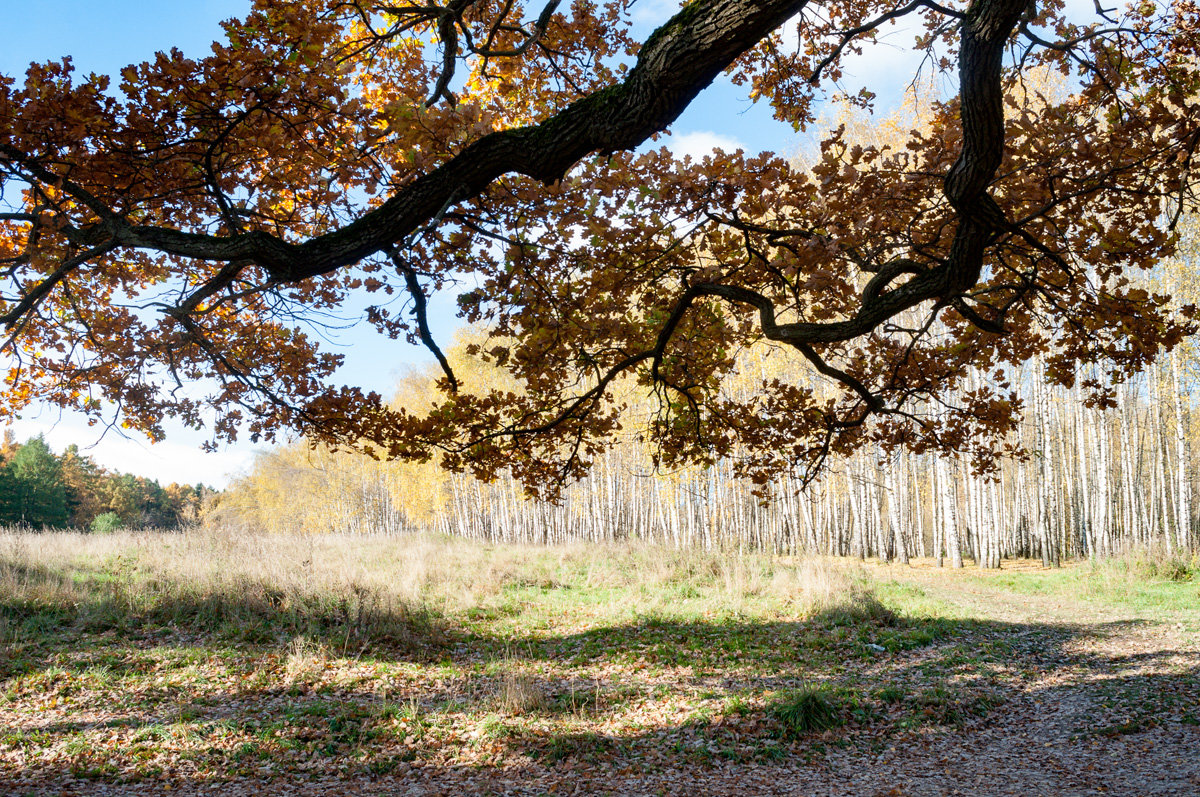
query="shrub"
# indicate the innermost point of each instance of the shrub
(106, 523)
(1150, 564)
(1167, 566)
(520, 693)
(805, 710)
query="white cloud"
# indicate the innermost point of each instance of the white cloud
(888, 65)
(699, 143)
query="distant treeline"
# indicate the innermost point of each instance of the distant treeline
(41, 489)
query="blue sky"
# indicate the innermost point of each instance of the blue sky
(105, 35)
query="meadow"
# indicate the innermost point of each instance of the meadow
(155, 662)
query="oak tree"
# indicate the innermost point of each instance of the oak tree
(169, 240)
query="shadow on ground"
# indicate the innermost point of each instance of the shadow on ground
(850, 701)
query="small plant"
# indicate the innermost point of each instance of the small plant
(413, 718)
(1150, 564)
(890, 694)
(8, 634)
(738, 704)
(76, 745)
(350, 725)
(588, 744)
(305, 660)
(700, 718)
(246, 750)
(1169, 567)
(578, 701)
(519, 693)
(809, 709)
(387, 764)
(857, 607)
(941, 706)
(494, 727)
(100, 675)
(106, 523)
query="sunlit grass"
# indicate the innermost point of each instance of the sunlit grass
(138, 655)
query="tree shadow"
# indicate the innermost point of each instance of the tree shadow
(735, 688)
(1082, 724)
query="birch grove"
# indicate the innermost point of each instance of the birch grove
(1092, 482)
(1090, 478)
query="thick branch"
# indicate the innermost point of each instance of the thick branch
(985, 32)
(29, 302)
(678, 61)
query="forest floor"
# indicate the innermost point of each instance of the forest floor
(176, 664)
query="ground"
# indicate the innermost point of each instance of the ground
(151, 664)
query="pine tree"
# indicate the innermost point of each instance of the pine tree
(38, 489)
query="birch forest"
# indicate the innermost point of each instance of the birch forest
(1088, 481)
(1092, 482)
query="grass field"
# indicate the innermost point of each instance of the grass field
(142, 662)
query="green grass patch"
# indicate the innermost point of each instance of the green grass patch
(808, 709)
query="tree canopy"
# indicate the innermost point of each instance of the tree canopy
(170, 242)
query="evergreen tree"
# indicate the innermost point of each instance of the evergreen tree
(39, 492)
(9, 499)
(39, 489)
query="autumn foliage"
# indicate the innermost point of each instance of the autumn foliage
(171, 235)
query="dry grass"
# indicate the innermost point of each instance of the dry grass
(1148, 564)
(306, 660)
(205, 657)
(442, 570)
(352, 593)
(520, 692)
(255, 587)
